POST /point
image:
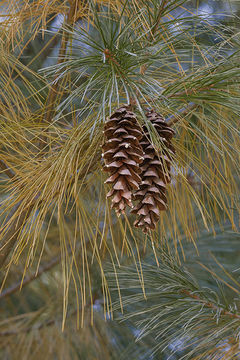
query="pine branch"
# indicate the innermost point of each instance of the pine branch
(42, 269)
(183, 112)
(210, 305)
(143, 68)
(51, 322)
(47, 48)
(20, 284)
(11, 235)
(10, 173)
(15, 226)
(159, 16)
(177, 307)
(53, 91)
(188, 92)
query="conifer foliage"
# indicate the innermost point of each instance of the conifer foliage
(153, 85)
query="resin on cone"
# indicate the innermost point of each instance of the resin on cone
(122, 155)
(155, 175)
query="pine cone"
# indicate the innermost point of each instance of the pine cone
(122, 154)
(155, 174)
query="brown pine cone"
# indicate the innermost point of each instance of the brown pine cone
(122, 155)
(155, 174)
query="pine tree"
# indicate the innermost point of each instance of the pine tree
(148, 91)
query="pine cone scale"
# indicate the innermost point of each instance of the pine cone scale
(122, 155)
(155, 175)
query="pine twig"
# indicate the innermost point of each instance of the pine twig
(20, 284)
(10, 173)
(183, 112)
(210, 305)
(10, 237)
(159, 16)
(189, 92)
(44, 52)
(53, 91)
(12, 233)
(143, 68)
(42, 269)
(50, 322)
